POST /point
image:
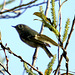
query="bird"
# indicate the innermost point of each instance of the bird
(34, 39)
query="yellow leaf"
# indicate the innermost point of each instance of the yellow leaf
(42, 16)
(37, 14)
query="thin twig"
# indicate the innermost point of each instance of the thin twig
(46, 13)
(18, 7)
(5, 68)
(69, 36)
(69, 71)
(21, 2)
(59, 21)
(6, 58)
(47, 7)
(35, 56)
(18, 11)
(60, 10)
(4, 4)
(59, 36)
(41, 31)
(58, 65)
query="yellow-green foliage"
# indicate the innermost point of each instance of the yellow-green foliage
(66, 30)
(28, 70)
(46, 22)
(53, 12)
(50, 65)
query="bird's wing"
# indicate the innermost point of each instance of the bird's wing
(45, 39)
(32, 38)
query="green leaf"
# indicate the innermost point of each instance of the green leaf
(46, 22)
(66, 30)
(41, 15)
(53, 12)
(51, 28)
(50, 65)
(28, 70)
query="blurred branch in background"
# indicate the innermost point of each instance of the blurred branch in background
(60, 22)
(5, 3)
(3, 68)
(17, 10)
(41, 31)
(69, 36)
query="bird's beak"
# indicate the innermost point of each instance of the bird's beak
(14, 26)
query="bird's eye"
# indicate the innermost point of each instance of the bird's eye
(20, 26)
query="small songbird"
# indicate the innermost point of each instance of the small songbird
(34, 39)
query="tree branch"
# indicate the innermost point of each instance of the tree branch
(5, 68)
(69, 36)
(59, 36)
(22, 60)
(18, 12)
(18, 7)
(41, 31)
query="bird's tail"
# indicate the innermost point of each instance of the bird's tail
(48, 52)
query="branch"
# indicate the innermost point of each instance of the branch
(67, 70)
(41, 31)
(59, 64)
(35, 56)
(69, 36)
(5, 68)
(59, 36)
(60, 10)
(22, 60)
(6, 58)
(18, 12)
(8, 16)
(18, 7)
